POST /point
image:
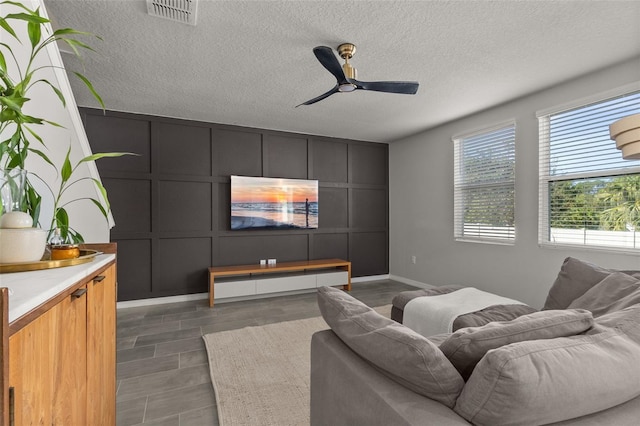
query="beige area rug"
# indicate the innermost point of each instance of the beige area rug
(261, 374)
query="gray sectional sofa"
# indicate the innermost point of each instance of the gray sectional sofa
(576, 362)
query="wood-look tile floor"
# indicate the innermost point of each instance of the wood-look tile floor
(162, 371)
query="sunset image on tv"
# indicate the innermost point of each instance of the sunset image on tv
(275, 203)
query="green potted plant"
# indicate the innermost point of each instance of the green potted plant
(18, 136)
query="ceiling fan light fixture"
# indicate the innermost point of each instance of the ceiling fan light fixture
(347, 87)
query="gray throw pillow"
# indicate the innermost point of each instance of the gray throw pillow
(615, 292)
(467, 346)
(398, 352)
(546, 381)
(573, 280)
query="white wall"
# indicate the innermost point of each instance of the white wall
(84, 216)
(421, 202)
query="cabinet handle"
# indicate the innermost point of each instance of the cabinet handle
(12, 399)
(78, 293)
(98, 279)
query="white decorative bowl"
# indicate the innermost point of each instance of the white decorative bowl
(22, 245)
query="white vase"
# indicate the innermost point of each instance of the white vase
(19, 242)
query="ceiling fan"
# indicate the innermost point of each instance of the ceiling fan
(346, 75)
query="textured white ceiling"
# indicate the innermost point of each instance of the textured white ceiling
(249, 63)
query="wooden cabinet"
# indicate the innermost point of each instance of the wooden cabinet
(101, 347)
(62, 360)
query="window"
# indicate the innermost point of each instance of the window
(484, 185)
(589, 195)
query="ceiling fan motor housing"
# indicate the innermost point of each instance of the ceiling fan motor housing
(349, 71)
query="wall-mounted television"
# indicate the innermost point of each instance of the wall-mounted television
(273, 203)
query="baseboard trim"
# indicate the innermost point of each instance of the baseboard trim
(370, 278)
(409, 281)
(200, 296)
(161, 300)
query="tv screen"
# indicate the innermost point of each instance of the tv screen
(273, 203)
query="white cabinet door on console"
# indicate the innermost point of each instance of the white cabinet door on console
(273, 285)
(332, 278)
(235, 288)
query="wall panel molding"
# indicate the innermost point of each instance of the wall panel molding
(173, 200)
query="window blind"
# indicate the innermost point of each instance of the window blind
(588, 195)
(484, 185)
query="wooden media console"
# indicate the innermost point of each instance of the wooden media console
(264, 279)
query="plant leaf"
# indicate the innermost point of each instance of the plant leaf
(78, 43)
(35, 135)
(35, 33)
(90, 86)
(103, 191)
(33, 18)
(10, 103)
(43, 156)
(3, 63)
(35, 201)
(5, 25)
(55, 89)
(62, 222)
(100, 155)
(65, 172)
(100, 207)
(17, 4)
(53, 123)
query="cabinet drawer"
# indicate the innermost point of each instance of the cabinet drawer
(297, 282)
(235, 288)
(332, 278)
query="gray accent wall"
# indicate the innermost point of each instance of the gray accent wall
(171, 203)
(421, 202)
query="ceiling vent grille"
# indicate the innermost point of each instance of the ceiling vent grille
(184, 11)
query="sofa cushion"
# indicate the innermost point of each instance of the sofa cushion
(545, 381)
(398, 352)
(573, 280)
(467, 346)
(626, 320)
(615, 292)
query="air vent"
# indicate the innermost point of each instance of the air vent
(184, 11)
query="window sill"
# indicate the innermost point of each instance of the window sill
(604, 249)
(492, 242)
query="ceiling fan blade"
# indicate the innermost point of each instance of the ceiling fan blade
(328, 60)
(321, 97)
(404, 87)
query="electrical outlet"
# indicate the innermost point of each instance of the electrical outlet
(271, 262)
(413, 260)
(263, 262)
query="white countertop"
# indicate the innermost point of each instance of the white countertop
(27, 290)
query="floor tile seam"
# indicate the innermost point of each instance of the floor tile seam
(133, 394)
(129, 349)
(144, 413)
(156, 359)
(148, 325)
(195, 409)
(208, 382)
(174, 341)
(148, 374)
(169, 331)
(142, 333)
